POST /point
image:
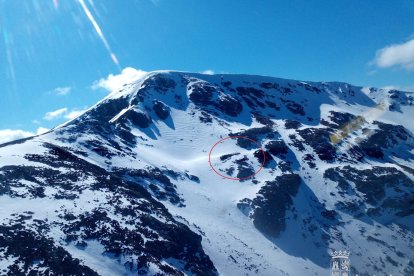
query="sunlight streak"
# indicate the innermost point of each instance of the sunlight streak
(99, 32)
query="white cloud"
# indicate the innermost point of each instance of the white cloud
(63, 113)
(7, 135)
(62, 91)
(115, 82)
(74, 113)
(56, 114)
(41, 130)
(396, 55)
(208, 72)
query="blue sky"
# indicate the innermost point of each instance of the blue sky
(56, 55)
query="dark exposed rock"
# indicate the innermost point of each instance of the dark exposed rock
(118, 240)
(291, 124)
(205, 117)
(126, 136)
(104, 113)
(294, 107)
(270, 206)
(376, 184)
(159, 183)
(201, 93)
(229, 105)
(272, 105)
(137, 117)
(159, 82)
(285, 166)
(319, 140)
(385, 137)
(194, 178)
(258, 102)
(244, 168)
(285, 90)
(30, 247)
(277, 148)
(161, 110)
(308, 158)
(263, 119)
(269, 85)
(11, 178)
(254, 134)
(399, 98)
(226, 157)
(99, 148)
(339, 119)
(309, 87)
(296, 142)
(372, 150)
(263, 157)
(250, 91)
(230, 171)
(329, 214)
(356, 153)
(249, 102)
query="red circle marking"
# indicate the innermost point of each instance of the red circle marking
(237, 137)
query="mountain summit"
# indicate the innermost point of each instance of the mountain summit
(130, 187)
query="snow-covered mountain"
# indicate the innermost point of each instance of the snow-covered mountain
(131, 186)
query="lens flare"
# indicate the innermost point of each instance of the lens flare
(8, 41)
(99, 32)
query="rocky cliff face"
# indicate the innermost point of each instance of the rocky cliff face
(127, 188)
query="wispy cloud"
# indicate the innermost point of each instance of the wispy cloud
(61, 91)
(63, 113)
(396, 55)
(115, 82)
(74, 113)
(56, 114)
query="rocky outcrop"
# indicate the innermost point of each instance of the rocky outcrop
(268, 209)
(229, 105)
(161, 109)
